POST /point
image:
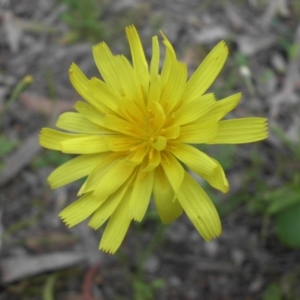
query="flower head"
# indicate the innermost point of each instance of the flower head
(135, 134)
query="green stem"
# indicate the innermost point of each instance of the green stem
(154, 242)
(48, 291)
(21, 87)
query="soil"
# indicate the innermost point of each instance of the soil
(42, 259)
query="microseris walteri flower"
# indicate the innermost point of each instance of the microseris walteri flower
(135, 137)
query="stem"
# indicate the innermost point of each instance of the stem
(21, 87)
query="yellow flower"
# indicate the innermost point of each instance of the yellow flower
(136, 133)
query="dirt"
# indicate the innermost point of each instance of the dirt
(41, 257)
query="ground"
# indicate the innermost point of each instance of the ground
(254, 257)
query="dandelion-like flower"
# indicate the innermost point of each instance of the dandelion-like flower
(135, 135)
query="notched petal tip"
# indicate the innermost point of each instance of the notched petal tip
(92, 226)
(107, 250)
(239, 96)
(130, 27)
(225, 189)
(241, 131)
(135, 218)
(50, 183)
(212, 236)
(64, 220)
(98, 45)
(108, 247)
(163, 35)
(266, 127)
(199, 208)
(40, 137)
(223, 43)
(73, 68)
(223, 51)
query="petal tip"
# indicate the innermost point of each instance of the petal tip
(223, 43)
(225, 189)
(50, 182)
(72, 67)
(130, 27)
(107, 249)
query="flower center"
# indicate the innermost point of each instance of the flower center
(153, 129)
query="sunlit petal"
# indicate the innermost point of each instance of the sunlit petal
(167, 209)
(240, 131)
(199, 208)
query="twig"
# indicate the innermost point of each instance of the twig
(291, 78)
(44, 105)
(15, 268)
(88, 281)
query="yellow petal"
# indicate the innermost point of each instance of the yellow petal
(199, 132)
(81, 85)
(89, 112)
(174, 87)
(120, 142)
(194, 158)
(160, 144)
(206, 73)
(172, 132)
(199, 208)
(240, 131)
(106, 64)
(155, 90)
(129, 110)
(154, 65)
(129, 81)
(158, 117)
(170, 56)
(84, 145)
(121, 126)
(106, 95)
(107, 162)
(74, 169)
(77, 123)
(52, 139)
(173, 170)
(194, 109)
(79, 210)
(154, 159)
(107, 208)
(224, 106)
(168, 45)
(216, 179)
(137, 155)
(113, 179)
(138, 57)
(168, 210)
(141, 193)
(117, 226)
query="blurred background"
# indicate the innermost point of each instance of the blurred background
(257, 256)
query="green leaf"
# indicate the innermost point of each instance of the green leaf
(287, 225)
(7, 145)
(157, 283)
(272, 292)
(50, 158)
(282, 203)
(241, 59)
(142, 291)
